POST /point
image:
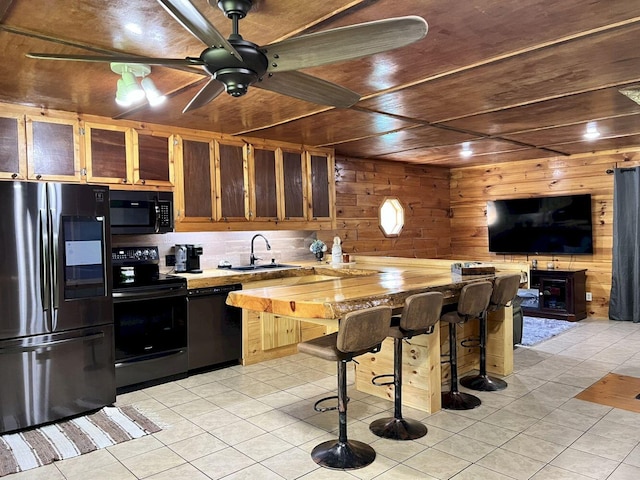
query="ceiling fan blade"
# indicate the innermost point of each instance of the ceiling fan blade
(211, 90)
(312, 89)
(118, 59)
(344, 43)
(195, 23)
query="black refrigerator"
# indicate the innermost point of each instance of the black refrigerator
(56, 311)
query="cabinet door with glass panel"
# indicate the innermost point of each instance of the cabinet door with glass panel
(293, 177)
(264, 168)
(195, 180)
(53, 148)
(13, 146)
(108, 153)
(232, 181)
(320, 185)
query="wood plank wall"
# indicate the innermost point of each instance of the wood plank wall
(471, 188)
(362, 186)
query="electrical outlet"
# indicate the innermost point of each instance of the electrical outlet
(589, 297)
(171, 260)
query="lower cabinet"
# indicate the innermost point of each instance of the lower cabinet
(561, 294)
(279, 331)
(266, 336)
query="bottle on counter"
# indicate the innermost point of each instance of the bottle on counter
(336, 251)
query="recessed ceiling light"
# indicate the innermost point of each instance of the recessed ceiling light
(134, 28)
(466, 151)
(592, 131)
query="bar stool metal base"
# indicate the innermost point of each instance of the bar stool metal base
(483, 383)
(347, 455)
(459, 401)
(398, 428)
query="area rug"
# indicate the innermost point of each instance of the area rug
(70, 438)
(536, 330)
(613, 390)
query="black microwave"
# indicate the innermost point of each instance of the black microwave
(140, 212)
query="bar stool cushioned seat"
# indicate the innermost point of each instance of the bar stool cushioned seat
(360, 332)
(473, 303)
(505, 288)
(419, 316)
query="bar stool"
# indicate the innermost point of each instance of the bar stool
(473, 301)
(420, 314)
(505, 288)
(360, 332)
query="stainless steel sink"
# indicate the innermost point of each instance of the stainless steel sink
(265, 266)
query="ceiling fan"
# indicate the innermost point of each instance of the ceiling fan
(235, 64)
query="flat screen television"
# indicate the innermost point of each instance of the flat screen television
(555, 225)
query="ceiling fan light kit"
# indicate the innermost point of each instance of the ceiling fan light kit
(236, 64)
(154, 96)
(129, 92)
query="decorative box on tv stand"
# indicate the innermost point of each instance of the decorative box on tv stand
(472, 268)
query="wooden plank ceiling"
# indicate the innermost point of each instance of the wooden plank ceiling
(517, 79)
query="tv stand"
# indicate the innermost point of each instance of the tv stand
(561, 294)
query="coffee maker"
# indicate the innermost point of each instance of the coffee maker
(193, 258)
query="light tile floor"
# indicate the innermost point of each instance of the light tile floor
(257, 422)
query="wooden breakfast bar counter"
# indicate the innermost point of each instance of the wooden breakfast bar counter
(374, 281)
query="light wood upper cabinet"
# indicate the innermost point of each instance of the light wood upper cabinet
(195, 179)
(153, 159)
(53, 148)
(232, 181)
(293, 185)
(108, 154)
(13, 151)
(264, 167)
(320, 171)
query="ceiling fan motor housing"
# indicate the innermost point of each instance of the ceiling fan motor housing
(234, 7)
(236, 75)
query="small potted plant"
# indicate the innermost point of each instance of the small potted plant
(318, 248)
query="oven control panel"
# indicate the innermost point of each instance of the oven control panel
(129, 255)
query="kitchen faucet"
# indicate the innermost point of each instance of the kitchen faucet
(252, 257)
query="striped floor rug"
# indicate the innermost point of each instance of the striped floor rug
(70, 438)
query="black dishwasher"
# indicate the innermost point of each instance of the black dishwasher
(215, 328)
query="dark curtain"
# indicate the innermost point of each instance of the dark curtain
(624, 302)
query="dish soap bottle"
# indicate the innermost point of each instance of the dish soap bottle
(336, 251)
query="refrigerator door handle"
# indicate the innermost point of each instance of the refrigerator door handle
(39, 346)
(54, 270)
(44, 265)
(105, 256)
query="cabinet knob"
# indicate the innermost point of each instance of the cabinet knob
(124, 180)
(143, 181)
(38, 177)
(14, 175)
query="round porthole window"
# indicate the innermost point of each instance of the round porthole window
(391, 217)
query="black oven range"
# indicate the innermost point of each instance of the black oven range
(150, 319)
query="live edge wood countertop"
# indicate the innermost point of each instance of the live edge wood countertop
(327, 294)
(373, 281)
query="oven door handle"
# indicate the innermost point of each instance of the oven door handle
(130, 296)
(151, 357)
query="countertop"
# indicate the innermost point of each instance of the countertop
(216, 277)
(381, 281)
